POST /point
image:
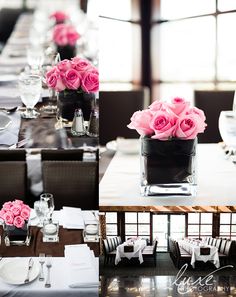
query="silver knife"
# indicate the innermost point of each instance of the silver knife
(30, 265)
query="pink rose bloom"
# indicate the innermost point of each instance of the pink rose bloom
(2, 213)
(90, 82)
(16, 209)
(72, 79)
(59, 16)
(8, 218)
(72, 35)
(54, 81)
(197, 111)
(7, 206)
(25, 212)
(64, 65)
(163, 125)
(17, 201)
(188, 126)
(140, 121)
(19, 222)
(158, 105)
(80, 64)
(179, 106)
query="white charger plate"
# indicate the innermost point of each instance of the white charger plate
(5, 121)
(14, 272)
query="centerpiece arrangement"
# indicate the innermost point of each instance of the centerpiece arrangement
(76, 82)
(168, 146)
(65, 37)
(59, 16)
(15, 216)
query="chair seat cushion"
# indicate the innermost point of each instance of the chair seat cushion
(147, 252)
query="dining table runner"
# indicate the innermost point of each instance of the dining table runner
(37, 246)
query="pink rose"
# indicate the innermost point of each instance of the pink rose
(25, 212)
(17, 201)
(59, 16)
(72, 79)
(16, 209)
(179, 106)
(163, 125)
(72, 35)
(64, 34)
(140, 121)
(7, 206)
(8, 218)
(2, 213)
(188, 126)
(80, 64)
(90, 82)
(158, 105)
(54, 81)
(197, 111)
(19, 222)
(64, 65)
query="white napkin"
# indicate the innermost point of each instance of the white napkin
(89, 217)
(9, 135)
(81, 265)
(72, 218)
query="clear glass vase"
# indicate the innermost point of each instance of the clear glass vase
(168, 167)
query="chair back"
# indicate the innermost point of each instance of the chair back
(214, 241)
(62, 155)
(116, 109)
(110, 244)
(228, 247)
(155, 246)
(212, 103)
(222, 246)
(211, 241)
(106, 246)
(72, 183)
(218, 242)
(119, 240)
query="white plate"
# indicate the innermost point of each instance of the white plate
(14, 272)
(5, 121)
(112, 145)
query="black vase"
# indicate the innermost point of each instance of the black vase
(66, 52)
(15, 235)
(167, 165)
(70, 100)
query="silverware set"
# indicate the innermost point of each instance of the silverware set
(48, 260)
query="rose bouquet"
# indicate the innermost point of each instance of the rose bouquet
(77, 81)
(165, 121)
(168, 146)
(15, 213)
(59, 16)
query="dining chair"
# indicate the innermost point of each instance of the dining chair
(222, 246)
(72, 183)
(62, 155)
(108, 254)
(13, 175)
(218, 242)
(214, 242)
(119, 240)
(116, 109)
(212, 103)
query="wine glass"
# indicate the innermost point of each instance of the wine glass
(48, 198)
(35, 58)
(227, 127)
(30, 90)
(41, 209)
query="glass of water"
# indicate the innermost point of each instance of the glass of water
(35, 58)
(41, 210)
(48, 198)
(30, 90)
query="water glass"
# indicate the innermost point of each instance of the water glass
(35, 57)
(30, 90)
(48, 198)
(41, 209)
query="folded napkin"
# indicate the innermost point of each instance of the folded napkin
(89, 217)
(9, 136)
(71, 218)
(81, 266)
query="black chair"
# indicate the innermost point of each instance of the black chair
(72, 183)
(222, 246)
(116, 109)
(211, 241)
(119, 240)
(109, 254)
(212, 103)
(218, 242)
(183, 256)
(13, 175)
(214, 242)
(62, 155)
(225, 251)
(151, 252)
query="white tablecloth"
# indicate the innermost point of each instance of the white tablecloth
(216, 181)
(194, 250)
(139, 245)
(59, 283)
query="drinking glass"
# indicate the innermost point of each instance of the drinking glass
(41, 209)
(30, 90)
(48, 198)
(35, 57)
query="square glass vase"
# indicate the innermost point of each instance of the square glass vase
(17, 236)
(168, 168)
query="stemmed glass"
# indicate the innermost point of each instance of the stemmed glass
(41, 209)
(30, 90)
(48, 198)
(35, 58)
(227, 127)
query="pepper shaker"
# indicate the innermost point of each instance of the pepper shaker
(93, 127)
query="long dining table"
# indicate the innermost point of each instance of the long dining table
(120, 184)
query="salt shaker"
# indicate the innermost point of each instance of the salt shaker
(78, 128)
(93, 127)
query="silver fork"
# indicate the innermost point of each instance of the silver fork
(41, 261)
(48, 265)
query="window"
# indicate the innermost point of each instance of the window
(119, 39)
(200, 224)
(137, 224)
(228, 225)
(111, 224)
(192, 46)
